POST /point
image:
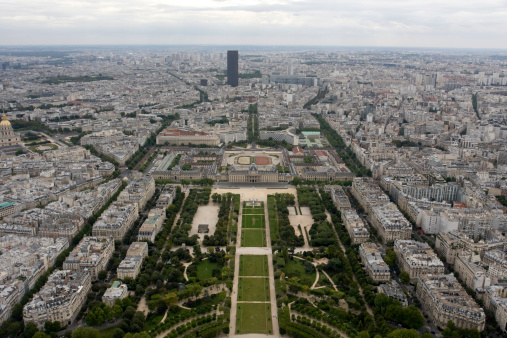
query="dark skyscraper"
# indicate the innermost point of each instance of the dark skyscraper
(232, 68)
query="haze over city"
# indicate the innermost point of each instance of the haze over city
(397, 23)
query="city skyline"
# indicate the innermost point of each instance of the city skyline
(286, 23)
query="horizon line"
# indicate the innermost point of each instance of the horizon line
(254, 45)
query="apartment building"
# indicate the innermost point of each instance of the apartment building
(444, 299)
(138, 191)
(355, 226)
(390, 223)
(495, 300)
(91, 254)
(116, 220)
(417, 259)
(472, 272)
(60, 299)
(375, 266)
(152, 225)
(131, 265)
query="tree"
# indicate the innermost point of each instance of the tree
(129, 312)
(332, 251)
(52, 326)
(170, 298)
(126, 302)
(14, 328)
(91, 320)
(85, 332)
(41, 334)
(137, 322)
(412, 318)
(404, 277)
(390, 258)
(102, 275)
(309, 268)
(334, 264)
(117, 311)
(30, 330)
(195, 290)
(137, 335)
(108, 312)
(197, 251)
(117, 333)
(99, 316)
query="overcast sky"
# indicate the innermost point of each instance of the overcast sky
(403, 23)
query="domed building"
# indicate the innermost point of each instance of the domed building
(7, 135)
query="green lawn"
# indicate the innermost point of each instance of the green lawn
(253, 221)
(253, 265)
(252, 211)
(296, 268)
(205, 269)
(253, 290)
(253, 237)
(254, 318)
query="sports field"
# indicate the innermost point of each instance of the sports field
(253, 237)
(262, 160)
(253, 290)
(253, 221)
(254, 318)
(244, 160)
(253, 265)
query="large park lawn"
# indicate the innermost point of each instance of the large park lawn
(254, 221)
(253, 265)
(253, 238)
(254, 318)
(253, 290)
(252, 211)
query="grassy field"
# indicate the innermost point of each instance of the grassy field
(253, 221)
(253, 238)
(253, 265)
(254, 318)
(253, 211)
(296, 268)
(205, 269)
(253, 290)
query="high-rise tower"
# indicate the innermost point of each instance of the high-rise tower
(232, 68)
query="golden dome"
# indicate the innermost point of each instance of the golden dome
(4, 122)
